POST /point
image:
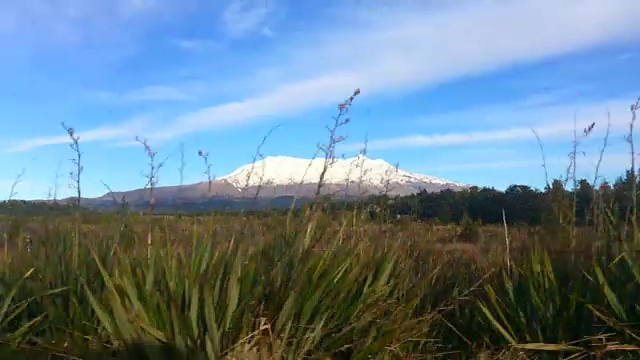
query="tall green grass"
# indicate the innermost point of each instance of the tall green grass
(265, 290)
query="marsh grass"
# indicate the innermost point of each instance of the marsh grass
(306, 291)
(315, 284)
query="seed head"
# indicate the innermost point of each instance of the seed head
(588, 129)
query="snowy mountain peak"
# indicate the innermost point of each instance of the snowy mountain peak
(286, 170)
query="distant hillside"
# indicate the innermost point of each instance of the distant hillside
(276, 180)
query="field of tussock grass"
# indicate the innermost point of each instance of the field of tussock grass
(324, 285)
(268, 288)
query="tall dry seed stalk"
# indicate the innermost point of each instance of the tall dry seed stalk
(76, 173)
(181, 168)
(544, 158)
(566, 211)
(153, 169)
(207, 167)
(258, 155)
(571, 173)
(634, 182)
(12, 194)
(110, 193)
(329, 149)
(183, 164)
(151, 176)
(56, 181)
(507, 241)
(597, 207)
(75, 176)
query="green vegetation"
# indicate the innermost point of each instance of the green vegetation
(317, 285)
(475, 274)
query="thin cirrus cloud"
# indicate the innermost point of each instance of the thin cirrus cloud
(148, 93)
(77, 20)
(429, 46)
(244, 17)
(404, 48)
(549, 121)
(197, 44)
(474, 166)
(585, 164)
(117, 132)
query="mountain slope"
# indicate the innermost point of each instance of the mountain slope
(285, 170)
(278, 177)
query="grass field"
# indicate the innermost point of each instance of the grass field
(310, 287)
(326, 284)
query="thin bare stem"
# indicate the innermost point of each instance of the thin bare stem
(110, 193)
(207, 167)
(634, 192)
(152, 180)
(595, 198)
(13, 192)
(56, 182)
(258, 154)
(544, 158)
(507, 241)
(571, 173)
(75, 174)
(334, 139)
(363, 156)
(183, 164)
(152, 173)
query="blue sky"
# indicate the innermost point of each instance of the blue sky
(449, 89)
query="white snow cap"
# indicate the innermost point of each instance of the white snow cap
(286, 170)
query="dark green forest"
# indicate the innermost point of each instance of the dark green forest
(522, 204)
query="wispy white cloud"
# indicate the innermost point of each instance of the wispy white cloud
(122, 131)
(157, 93)
(427, 47)
(148, 93)
(197, 44)
(616, 161)
(551, 96)
(475, 166)
(402, 48)
(550, 122)
(75, 20)
(549, 105)
(244, 17)
(283, 100)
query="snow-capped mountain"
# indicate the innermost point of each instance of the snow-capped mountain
(285, 171)
(275, 177)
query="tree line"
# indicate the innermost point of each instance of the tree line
(522, 204)
(583, 205)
